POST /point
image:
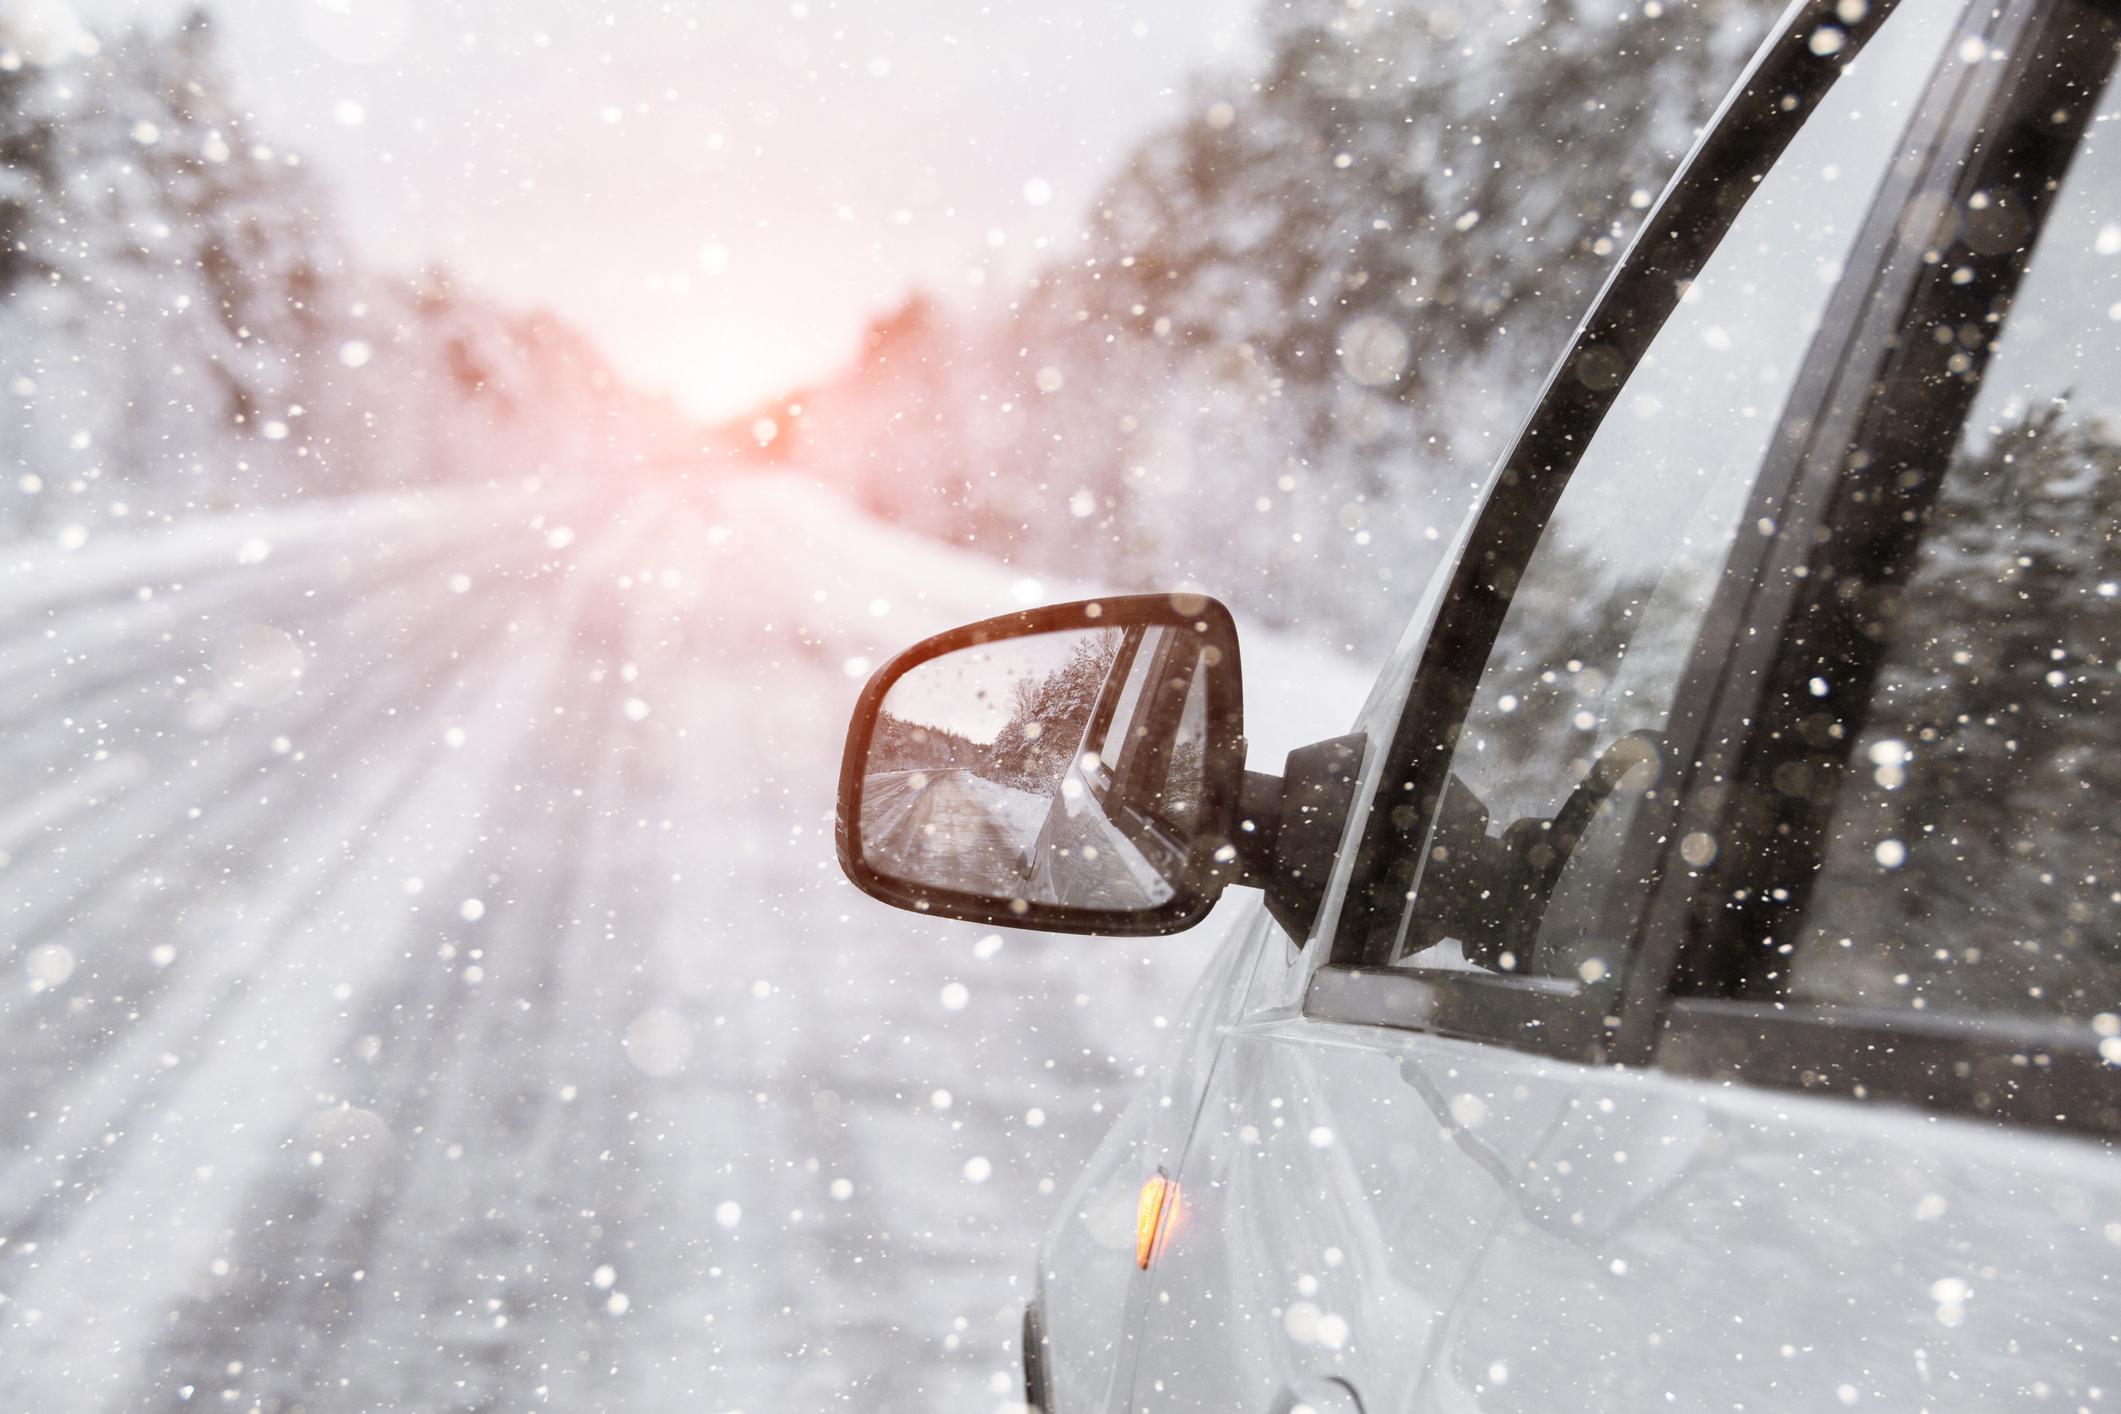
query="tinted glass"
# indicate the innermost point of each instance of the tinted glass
(1973, 862)
(1562, 737)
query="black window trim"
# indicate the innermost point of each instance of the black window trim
(1778, 92)
(2016, 1070)
(2022, 1070)
(1132, 808)
(1099, 779)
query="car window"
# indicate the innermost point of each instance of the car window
(1563, 736)
(1969, 861)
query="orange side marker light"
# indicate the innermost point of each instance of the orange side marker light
(1159, 1198)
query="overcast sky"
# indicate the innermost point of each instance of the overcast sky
(722, 194)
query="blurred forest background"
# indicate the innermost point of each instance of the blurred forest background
(1298, 327)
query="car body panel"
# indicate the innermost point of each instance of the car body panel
(1514, 1232)
(1089, 1289)
(1331, 1221)
(1779, 1250)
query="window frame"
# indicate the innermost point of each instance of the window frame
(2025, 1070)
(1099, 777)
(1778, 92)
(1122, 788)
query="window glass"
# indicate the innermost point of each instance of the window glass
(1562, 736)
(1972, 859)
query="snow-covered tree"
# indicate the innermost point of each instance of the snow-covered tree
(1306, 318)
(181, 328)
(1032, 751)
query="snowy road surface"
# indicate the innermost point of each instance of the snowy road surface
(427, 985)
(938, 827)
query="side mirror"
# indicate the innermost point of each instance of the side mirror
(1074, 768)
(1080, 769)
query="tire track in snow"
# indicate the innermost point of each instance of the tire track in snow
(261, 965)
(415, 754)
(693, 646)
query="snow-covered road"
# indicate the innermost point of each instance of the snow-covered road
(427, 985)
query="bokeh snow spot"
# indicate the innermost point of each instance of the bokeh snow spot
(1374, 351)
(1301, 1322)
(659, 1043)
(49, 965)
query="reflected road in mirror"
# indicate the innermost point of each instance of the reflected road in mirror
(950, 828)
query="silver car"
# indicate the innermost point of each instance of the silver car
(1694, 982)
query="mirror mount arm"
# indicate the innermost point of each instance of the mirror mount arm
(1258, 826)
(1289, 828)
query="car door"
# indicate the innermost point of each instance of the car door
(1429, 1187)
(1878, 1131)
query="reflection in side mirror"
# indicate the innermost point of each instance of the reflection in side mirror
(955, 801)
(1074, 768)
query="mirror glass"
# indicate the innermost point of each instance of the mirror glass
(1058, 768)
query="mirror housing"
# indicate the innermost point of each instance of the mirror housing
(1018, 811)
(963, 815)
